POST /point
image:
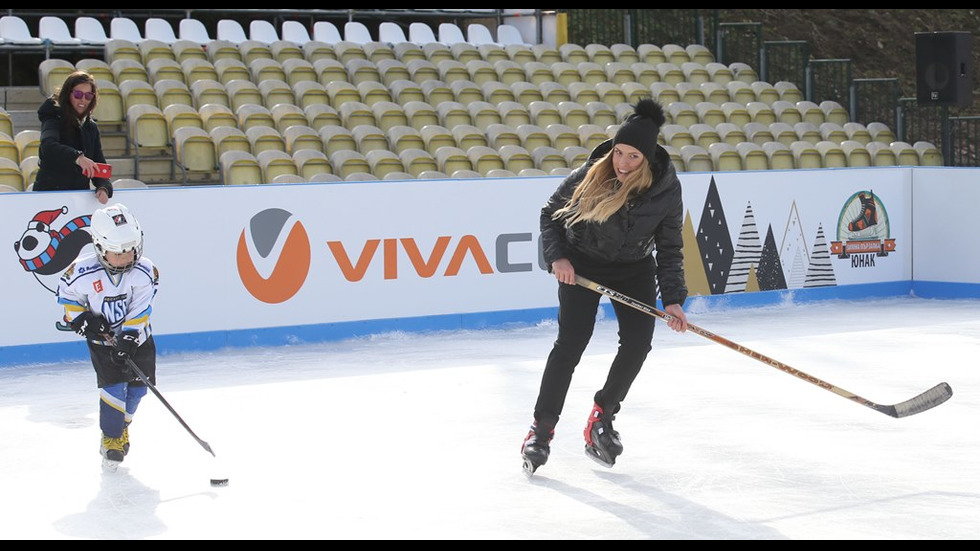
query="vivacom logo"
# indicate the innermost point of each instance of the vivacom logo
(274, 256)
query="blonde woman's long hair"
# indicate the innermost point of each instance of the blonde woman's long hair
(601, 193)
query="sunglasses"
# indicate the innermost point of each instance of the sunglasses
(78, 94)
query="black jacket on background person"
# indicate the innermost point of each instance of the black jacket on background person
(653, 219)
(61, 144)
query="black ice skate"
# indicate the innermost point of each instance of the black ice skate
(868, 216)
(536, 448)
(112, 453)
(602, 442)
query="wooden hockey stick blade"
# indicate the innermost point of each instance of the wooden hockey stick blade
(923, 402)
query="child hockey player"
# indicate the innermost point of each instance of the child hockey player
(108, 298)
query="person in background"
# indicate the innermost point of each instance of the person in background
(618, 221)
(108, 299)
(71, 144)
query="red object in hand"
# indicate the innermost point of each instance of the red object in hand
(103, 170)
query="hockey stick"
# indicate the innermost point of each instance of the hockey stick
(135, 369)
(925, 401)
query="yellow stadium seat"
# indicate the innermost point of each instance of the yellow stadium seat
(165, 68)
(275, 91)
(833, 132)
(265, 138)
(405, 137)
(347, 162)
(420, 114)
(499, 135)
(696, 159)
(362, 70)
(228, 138)
(274, 164)
(310, 163)
(808, 132)
(138, 92)
(243, 92)
(601, 114)
(299, 137)
(533, 136)
(526, 93)
(483, 114)
(337, 138)
(724, 157)
(881, 133)
(544, 113)
(811, 112)
(857, 132)
(436, 92)
(783, 133)
(929, 154)
(881, 154)
(355, 113)
(905, 153)
(618, 73)
(384, 162)
(466, 91)
(806, 154)
(624, 53)
(832, 154)
(330, 70)
(704, 135)
(229, 69)
(645, 73)
(677, 136)
(856, 153)
(780, 156)
(179, 115)
(484, 159)
(591, 135)
(731, 133)
(11, 175)
(8, 148)
(538, 73)
(761, 112)
(418, 161)
(467, 136)
(633, 91)
(170, 92)
(834, 112)
(451, 159)
(516, 158)
(216, 115)
(195, 69)
(299, 70)
(207, 91)
(695, 72)
(369, 138)
(759, 133)
(787, 112)
(29, 167)
(583, 92)
(194, 151)
(753, 156)
(436, 137)
(240, 168)
(675, 54)
(389, 114)
(548, 159)
(252, 115)
(651, 53)
(562, 136)
(788, 91)
(683, 114)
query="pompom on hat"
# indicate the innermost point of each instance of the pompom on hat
(641, 129)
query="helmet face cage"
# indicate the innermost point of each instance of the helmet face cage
(115, 229)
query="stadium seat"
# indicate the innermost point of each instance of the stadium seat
(252, 115)
(704, 135)
(265, 138)
(670, 73)
(151, 49)
(548, 159)
(8, 148)
(98, 68)
(383, 162)
(601, 114)
(325, 31)
(275, 163)
(355, 113)
(731, 133)
(436, 137)
(677, 136)
(243, 92)
(787, 112)
(451, 159)
(420, 114)
(138, 92)
(724, 157)
(562, 136)
(759, 133)
(696, 159)
(484, 159)
(52, 74)
(857, 132)
(311, 162)
(905, 154)
(418, 161)
(753, 156)
(54, 30)
(314, 50)
(710, 113)
(833, 132)
(216, 115)
(231, 30)
(645, 73)
(533, 136)
(404, 137)
(228, 138)
(832, 154)
(575, 156)
(780, 156)
(929, 154)
(651, 53)
(526, 93)
(761, 112)
(514, 114)
(436, 51)
(591, 135)
(880, 132)
(811, 112)
(808, 132)
(322, 114)
(881, 154)
(516, 158)
(348, 162)
(90, 31)
(856, 154)
(127, 69)
(404, 91)
(337, 138)
(499, 135)
(664, 93)
(544, 113)
(683, 114)
(299, 137)
(834, 112)
(330, 70)
(119, 48)
(573, 113)
(11, 175)
(251, 50)
(170, 92)
(389, 114)
(783, 133)
(690, 93)
(675, 54)
(806, 155)
(437, 92)
(452, 113)
(369, 138)
(466, 91)
(634, 92)
(483, 114)
(565, 73)
(222, 49)
(307, 93)
(194, 151)
(788, 91)
(179, 115)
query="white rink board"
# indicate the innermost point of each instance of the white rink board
(417, 249)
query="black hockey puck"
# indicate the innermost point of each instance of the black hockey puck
(217, 482)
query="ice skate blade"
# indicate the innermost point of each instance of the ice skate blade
(110, 466)
(529, 468)
(595, 456)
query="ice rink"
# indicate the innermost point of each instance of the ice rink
(408, 436)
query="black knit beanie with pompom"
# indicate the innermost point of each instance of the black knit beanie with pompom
(641, 129)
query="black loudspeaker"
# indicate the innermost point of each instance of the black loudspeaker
(944, 68)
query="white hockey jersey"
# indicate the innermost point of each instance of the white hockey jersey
(125, 300)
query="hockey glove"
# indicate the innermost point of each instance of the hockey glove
(125, 347)
(91, 326)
